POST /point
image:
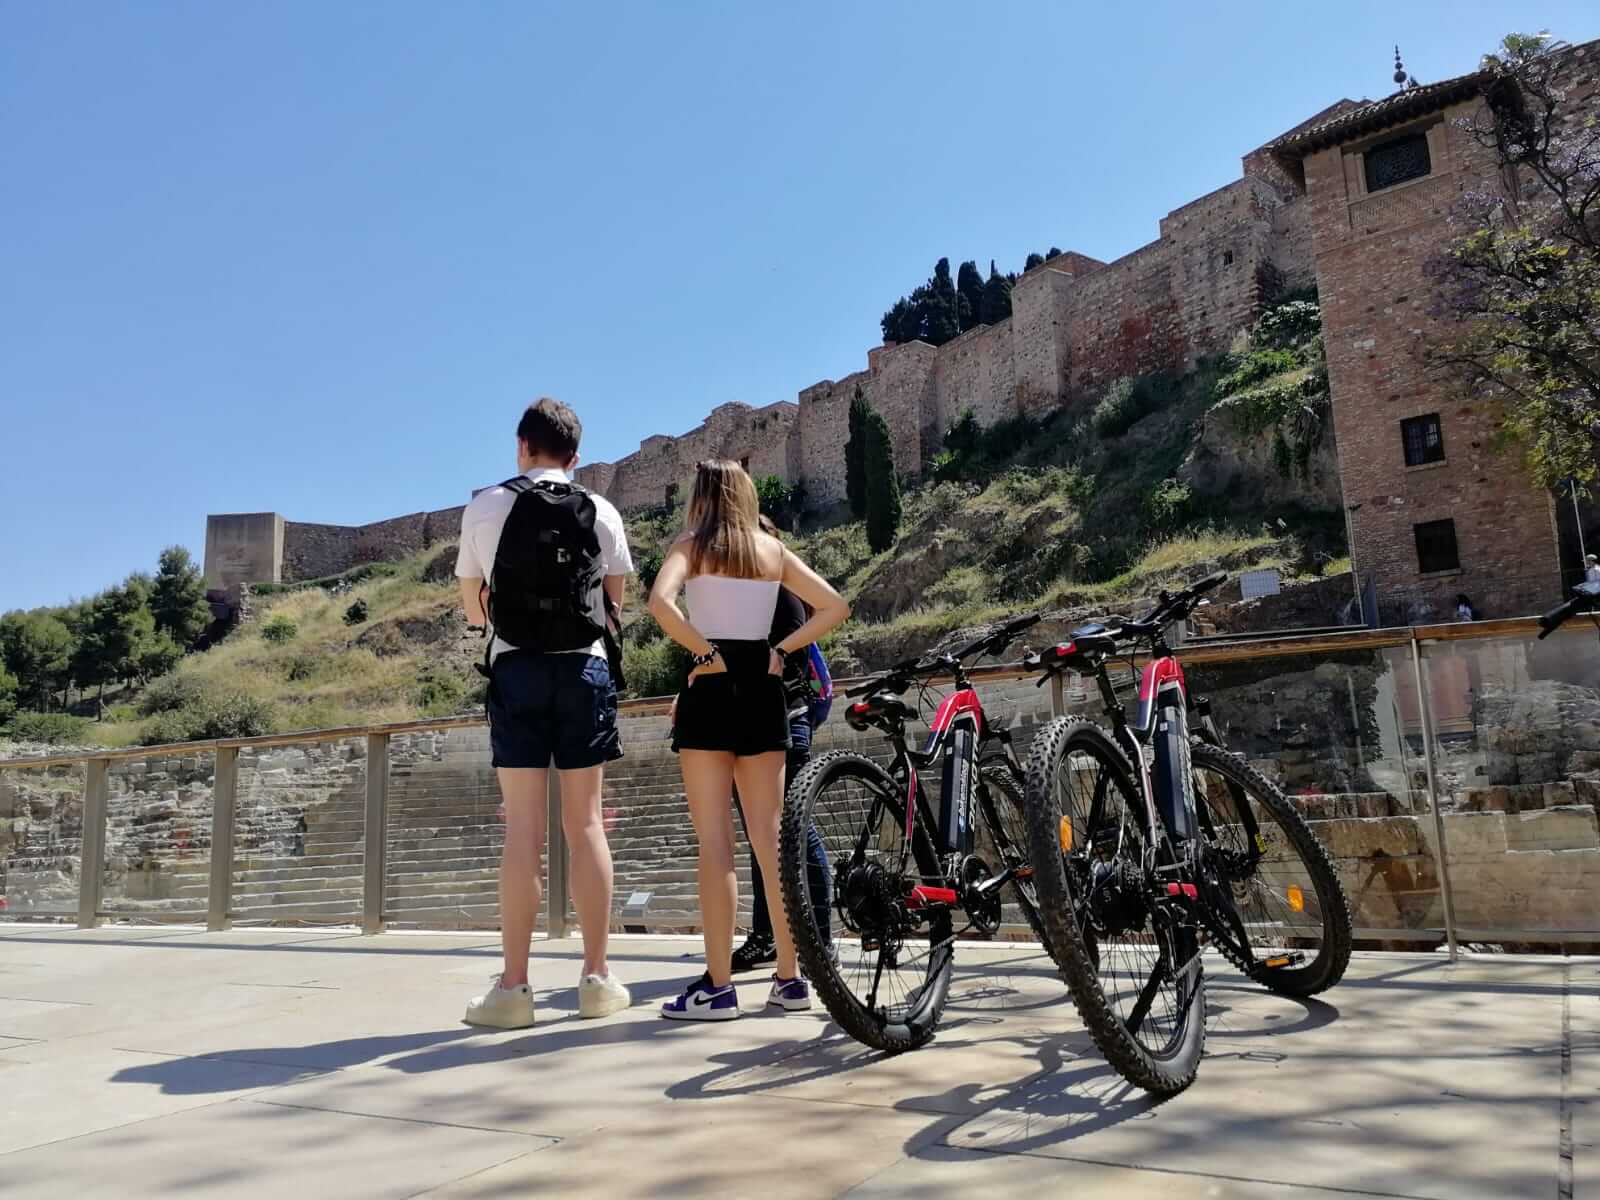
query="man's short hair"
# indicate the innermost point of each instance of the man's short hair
(550, 428)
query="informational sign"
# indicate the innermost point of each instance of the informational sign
(1255, 584)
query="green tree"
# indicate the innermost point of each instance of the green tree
(773, 497)
(995, 304)
(969, 290)
(855, 478)
(178, 597)
(1523, 282)
(883, 488)
(1034, 260)
(114, 629)
(157, 655)
(36, 647)
(8, 695)
(1053, 252)
(942, 322)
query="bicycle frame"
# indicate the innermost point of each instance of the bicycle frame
(959, 734)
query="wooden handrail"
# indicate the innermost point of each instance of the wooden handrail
(1211, 653)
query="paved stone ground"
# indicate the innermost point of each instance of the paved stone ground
(146, 1061)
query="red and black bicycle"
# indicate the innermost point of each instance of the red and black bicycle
(1151, 841)
(903, 874)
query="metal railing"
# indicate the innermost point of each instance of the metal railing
(1412, 644)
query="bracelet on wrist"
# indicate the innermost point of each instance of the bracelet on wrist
(706, 659)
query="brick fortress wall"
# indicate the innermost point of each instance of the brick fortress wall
(1077, 324)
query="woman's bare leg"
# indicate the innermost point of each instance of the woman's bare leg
(708, 781)
(760, 780)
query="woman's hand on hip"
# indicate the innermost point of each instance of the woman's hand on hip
(715, 667)
(775, 663)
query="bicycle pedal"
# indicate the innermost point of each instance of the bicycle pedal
(1185, 891)
(1279, 961)
(1022, 873)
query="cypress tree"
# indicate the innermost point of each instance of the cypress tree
(969, 287)
(855, 479)
(995, 305)
(883, 489)
(943, 306)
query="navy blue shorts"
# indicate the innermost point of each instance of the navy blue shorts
(545, 707)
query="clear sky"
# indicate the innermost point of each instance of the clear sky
(313, 257)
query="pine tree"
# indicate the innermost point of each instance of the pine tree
(36, 647)
(995, 306)
(969, 287)
(942, 321)
(883, 489)
(855, 479)
(178, 597)
(1053, 252)
(1034, 260)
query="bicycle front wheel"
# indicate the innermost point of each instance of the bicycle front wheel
(1274, 904)
(885, 976)
(1131, 961)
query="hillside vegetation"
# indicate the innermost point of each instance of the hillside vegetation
(1157, 479)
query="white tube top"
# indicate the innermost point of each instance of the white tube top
(732, 609)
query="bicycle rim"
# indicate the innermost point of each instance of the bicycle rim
(892, 974)
(1137, 979)
(1279, 911)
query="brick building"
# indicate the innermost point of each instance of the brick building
(1435, 508)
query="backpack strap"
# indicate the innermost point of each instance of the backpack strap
(517, 484)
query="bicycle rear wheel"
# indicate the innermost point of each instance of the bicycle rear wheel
(1275, 908)
(888, 986)
(1002, 804)
(1131, 961)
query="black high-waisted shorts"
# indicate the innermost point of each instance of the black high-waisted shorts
(742, 712)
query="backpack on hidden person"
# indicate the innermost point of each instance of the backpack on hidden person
(546, 588)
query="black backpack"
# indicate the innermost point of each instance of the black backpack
(545, 590)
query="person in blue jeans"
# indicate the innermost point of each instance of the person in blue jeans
(759, 948)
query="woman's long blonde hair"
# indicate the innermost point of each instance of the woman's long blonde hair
(724, 516)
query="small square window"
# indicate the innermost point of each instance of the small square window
(1436, 546)
(1392, 162)
(1227, 258)
(1423, 440)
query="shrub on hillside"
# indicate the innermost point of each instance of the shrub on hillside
(52, 729)
(170, 692)
(655, 669)
(278, 630)
(1286, 325)
(213, 713)
(439, 692)
(356, 613)
(1127, 400)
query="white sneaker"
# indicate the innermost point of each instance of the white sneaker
(502, 1007)
(601, 995)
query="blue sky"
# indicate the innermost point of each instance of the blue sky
(314, 257)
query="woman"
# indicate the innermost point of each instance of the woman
(732, 725)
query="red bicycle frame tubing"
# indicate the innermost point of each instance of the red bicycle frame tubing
(1161, 673)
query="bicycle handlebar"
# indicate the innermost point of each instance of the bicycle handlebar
(898, 677)
(1179, 605)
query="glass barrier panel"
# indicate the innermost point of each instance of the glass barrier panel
(445, 832)
(298, 834)
(41, 842)
(158, 837)
(1337, 732)
(1516, 725)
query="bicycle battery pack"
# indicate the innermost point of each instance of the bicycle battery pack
(1171, 744)
(955, 802)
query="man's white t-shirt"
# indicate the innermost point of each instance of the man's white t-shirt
(486, 516)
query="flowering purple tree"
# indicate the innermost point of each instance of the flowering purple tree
(1523, 278)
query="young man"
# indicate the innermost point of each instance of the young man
(551, 696)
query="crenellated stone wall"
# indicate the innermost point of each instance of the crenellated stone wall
(1077, 323)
